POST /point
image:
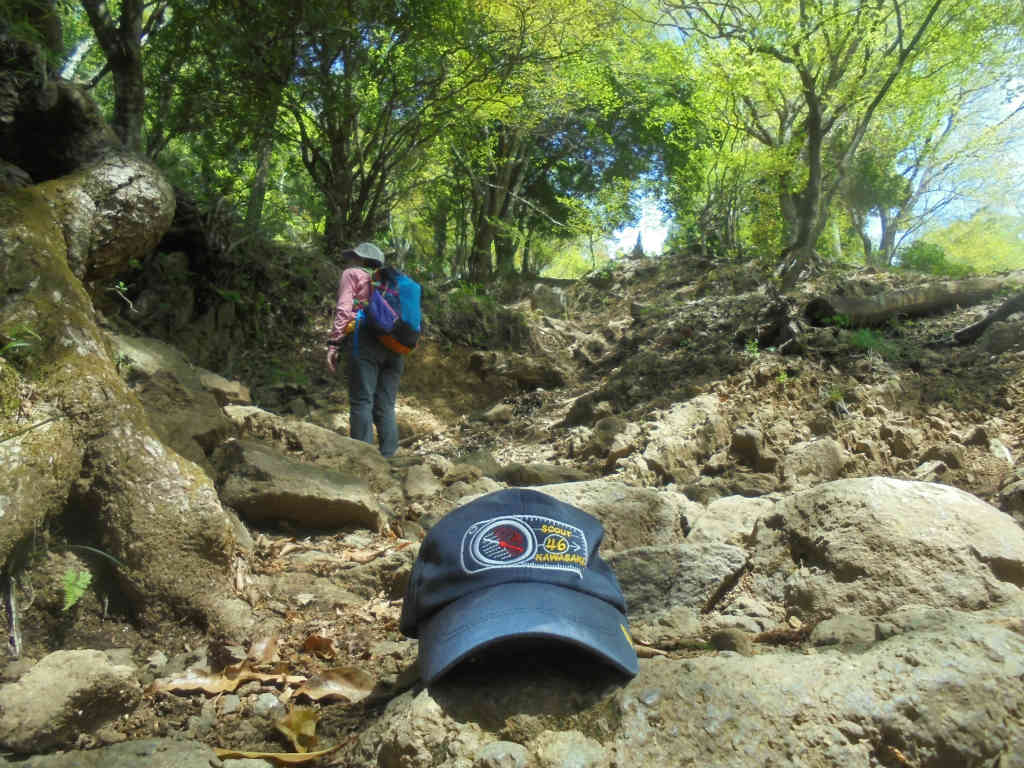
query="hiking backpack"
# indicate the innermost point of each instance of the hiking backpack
(393, 312)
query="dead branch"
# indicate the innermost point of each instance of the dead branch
(973, 332)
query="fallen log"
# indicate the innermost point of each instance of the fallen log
(867, 311)
(973, 332)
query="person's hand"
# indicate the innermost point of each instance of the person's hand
(332, 358)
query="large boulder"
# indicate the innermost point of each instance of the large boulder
(66, 693)
(685, 437)
(729, 520)
(694, 575)
(871, 545)
(114, 212)
(945, 694)
(632, 517)
(265, 485)
(147, 753)
(317, 445)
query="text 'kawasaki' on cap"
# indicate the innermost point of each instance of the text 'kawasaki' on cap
(514, 564)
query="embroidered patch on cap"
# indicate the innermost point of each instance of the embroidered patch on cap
(524, 541)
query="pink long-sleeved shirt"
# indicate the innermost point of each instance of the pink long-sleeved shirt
(353, 292)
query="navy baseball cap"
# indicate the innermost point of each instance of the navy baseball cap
(515, 564)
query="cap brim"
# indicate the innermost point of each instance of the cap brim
(523, 610)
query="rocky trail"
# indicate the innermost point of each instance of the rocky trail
(818, 530)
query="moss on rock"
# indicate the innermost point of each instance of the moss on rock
(10, 395)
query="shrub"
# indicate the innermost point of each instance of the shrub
(928, 257)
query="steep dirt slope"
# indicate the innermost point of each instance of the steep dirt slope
(659, 332)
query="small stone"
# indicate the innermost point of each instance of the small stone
(109, 735)
(844, 630)
(157, 660)
(502, 754)
(568, 749)
(230, 704)
(733, 640)
(650, 697)
(265, 704)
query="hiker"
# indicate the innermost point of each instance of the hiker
(374, 371)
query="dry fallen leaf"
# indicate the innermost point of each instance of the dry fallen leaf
(648, 652)
(243, 578)
(299, 725)
(280, 758)
(195, 680)
(320, 645)
(364, 556)
(264, 650)
(895, 754)
(225, 682)
(289, 546)
(349, 683)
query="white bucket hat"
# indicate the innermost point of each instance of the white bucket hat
(366, 252)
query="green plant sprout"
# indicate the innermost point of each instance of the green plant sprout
(839, 321)
(75, 584)
(20, 338)
(872, 342)
(235, 297)
(77, 581)
(121, 289)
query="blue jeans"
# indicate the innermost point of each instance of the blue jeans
(374, 372)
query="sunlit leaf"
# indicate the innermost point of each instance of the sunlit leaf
(299, 725)
(280, 758)
(195, 680)
(648, 652)
(351, 684)
(224, 682)
(75, 584)
(264, 649)
(320, 646)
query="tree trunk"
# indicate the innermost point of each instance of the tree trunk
(860, 223)
(258, 190)
(122, 45)
(480, 266)
(497, 202)
(869, 311)
(129, 99)
(528, 267)
(837, 242)
(439, 225)
(799, 253)
(156, 513)
(887, 244)
(505, 246)
(264, 153)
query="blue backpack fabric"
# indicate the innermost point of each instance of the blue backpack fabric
(393, 312)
